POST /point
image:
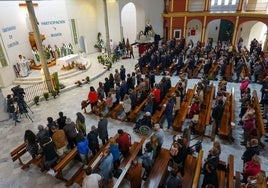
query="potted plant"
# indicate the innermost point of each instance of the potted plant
(54, 93)
(87, 79)
(46, 95)
(99, 43)
(36, 100)
(79, 83)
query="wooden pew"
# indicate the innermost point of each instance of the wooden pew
(205, 111)
(17, 153)
(63, 162)
(126, 163)
(228, 117)
(133, 114)
(99, 107)
(221, 178)
(237, 180)
(182, 112)
(114, 112)
(259, 118)
(158, 114)
(198, 169)
(192, 170)
(212, 70)
(230, 177)
(80, 173)
(158, 172)
(197, 69)
(229, 71)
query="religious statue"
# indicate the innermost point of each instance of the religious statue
(36, 56)
(57, 52)
(70, 49)
(148, 28)
(47, 54)
(63, 50)
(52, 56)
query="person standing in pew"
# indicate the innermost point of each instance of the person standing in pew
(174, 180)
(217, 113)
(160, 137)
(134, 174)
(31, 143)
(123, 141)
(169, 111)
(93, 142)
(80, 123)
(61, 121)
(210, 176)
(42, 133)
(106, 166)
(49, 155)
(70, 132)
(82, 148)
(114, 149)
(147, 160)
(91, 180)
(60, 141)
(251, 149)
(102, 129)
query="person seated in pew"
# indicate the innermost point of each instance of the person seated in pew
(134, 174)
(93, 141)
(82, 148)
(251, 149)
(91, 180)
(194, 121)
(194, 107)
(145, 120)
(174, 180)
(210, 176)
(154, 144)
(123, 141)
(255, 181)
(251, 168)
(147, 159)
(31, 143)
(106, 166)
(109, 101)
(114, 149)
(60, 141)
(49, 155)
(212, 160)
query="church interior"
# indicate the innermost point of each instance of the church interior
(196, 68)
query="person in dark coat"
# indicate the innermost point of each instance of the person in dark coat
(251, 150)
(93, 142)
(122, 72)
(169, 111)
(50, 123)
(70, 132)
(174, 180)
(217, 114)
(61, 121)
(102, 129)
(106, 86)
(31, 143)
(129, 82)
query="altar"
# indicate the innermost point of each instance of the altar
(67, 59)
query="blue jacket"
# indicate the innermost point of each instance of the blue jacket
(82, 147)
(115, 151)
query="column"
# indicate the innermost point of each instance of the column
(171, 28)
(107, 29)
(172, 6)
(265, 45)
(186, 5)
(240, 6)
(234, 39)
(204, 25)
(38, 40)
(206, 8)
(184, 26)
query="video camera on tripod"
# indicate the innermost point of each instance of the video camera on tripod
(19, 99)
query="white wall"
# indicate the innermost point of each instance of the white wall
(128, 19)
(152, 10)
(211, 31)
(197, 26)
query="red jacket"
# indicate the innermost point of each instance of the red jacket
(124, 142)
(244, 85)
(156, 93)
(251, 169)
(92, 96)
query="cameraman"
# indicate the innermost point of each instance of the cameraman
(19, 98)
(12, 108)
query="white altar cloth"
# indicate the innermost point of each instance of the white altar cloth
(67, 59)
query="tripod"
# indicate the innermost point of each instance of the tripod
(22, 108)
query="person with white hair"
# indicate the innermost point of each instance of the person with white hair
(159, 133)
(146, 120)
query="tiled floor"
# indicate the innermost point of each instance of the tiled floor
(69, 102)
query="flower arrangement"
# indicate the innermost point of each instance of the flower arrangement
(36, 100)
(46, 95)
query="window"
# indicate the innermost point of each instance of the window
(219, 2)
(212, 2)
(226, 2)
(177, 33)
(234, 2)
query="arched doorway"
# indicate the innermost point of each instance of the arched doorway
(250, 30)
(219, 29)
(129, 22)
(194, 30)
